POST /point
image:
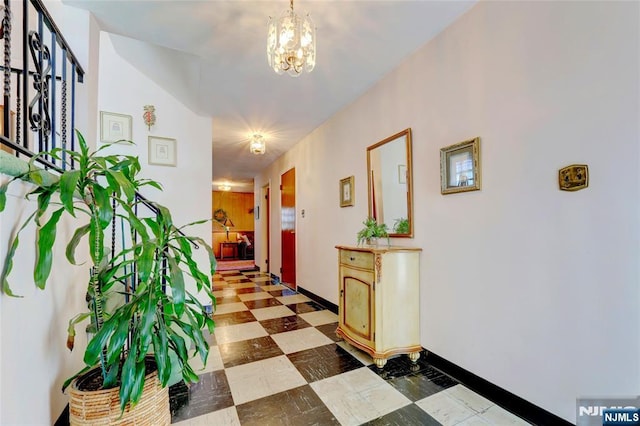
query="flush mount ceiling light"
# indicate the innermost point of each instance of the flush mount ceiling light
(291, 43)
(258, 145)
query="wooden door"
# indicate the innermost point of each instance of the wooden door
(288, 226)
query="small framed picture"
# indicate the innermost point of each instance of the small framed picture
(114, 127)
(162, 151)
(346, 192)
(460, 167)
(402, 174)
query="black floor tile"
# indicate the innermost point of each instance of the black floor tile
(329, 330)
(296, 407)
(411, 415)
(399, 365)
(178, 396)
(280, 325)
(228, 273)
(233, 318)
(211, 393)
(238, 353)
(262, 303)
(286, 291)
(302, 308)
(221, 285)
(399, 372)
(278, 293)
(416, 386)
(324, 361)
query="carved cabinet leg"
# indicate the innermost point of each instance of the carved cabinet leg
(413, 356)
(380, 362)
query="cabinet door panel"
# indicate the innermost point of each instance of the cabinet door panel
(358, 301)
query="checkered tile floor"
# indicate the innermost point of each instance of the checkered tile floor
(275, 360)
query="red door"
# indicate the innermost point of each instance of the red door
(288, 223)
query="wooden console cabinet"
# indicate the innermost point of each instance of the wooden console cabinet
(379, 304)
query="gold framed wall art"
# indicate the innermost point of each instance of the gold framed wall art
(460, 167)
(347, 192)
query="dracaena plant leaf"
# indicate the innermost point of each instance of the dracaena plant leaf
(46, 237)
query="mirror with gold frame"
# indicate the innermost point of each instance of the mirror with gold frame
(390, 177)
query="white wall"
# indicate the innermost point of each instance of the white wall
(532, 288)
(34, 361)
(124, 89)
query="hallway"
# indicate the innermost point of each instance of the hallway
(275, 360)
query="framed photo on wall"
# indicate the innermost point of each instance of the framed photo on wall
(114, 127)
(460, 167)
(162, 151)
(346, 192)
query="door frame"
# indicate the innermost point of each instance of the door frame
(265, 225)
(291, 283)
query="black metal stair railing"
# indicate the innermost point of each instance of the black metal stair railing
(39, 93)
(40, 77)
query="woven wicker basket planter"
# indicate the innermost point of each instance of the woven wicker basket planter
(102, 407)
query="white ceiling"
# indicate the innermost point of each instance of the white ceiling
(358, 42)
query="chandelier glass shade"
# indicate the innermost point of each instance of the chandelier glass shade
(291, 43)
(257, 145)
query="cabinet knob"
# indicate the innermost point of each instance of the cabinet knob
(352, 258)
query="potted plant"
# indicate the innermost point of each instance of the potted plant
(372, 231)
(140, 309)
(401, 226)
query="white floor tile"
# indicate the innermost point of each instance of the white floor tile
(237, 276)
(271, 312)
(497, 415)
(476, 420)
(299, 340)
(227, 292)
(358, 396)
(214, 362)
(276, 287)
(445, 409)
(319, 317)
(224, 417)
(295, 298)
(239, 332)
(227, 308)
(243, 285)
(469, 398)
(258, 379)
(255, 296)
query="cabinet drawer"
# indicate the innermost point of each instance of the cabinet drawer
(357, 259)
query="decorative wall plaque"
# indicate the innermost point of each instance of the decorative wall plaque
(574, 177)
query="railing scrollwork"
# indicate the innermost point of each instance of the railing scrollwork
(39, 117)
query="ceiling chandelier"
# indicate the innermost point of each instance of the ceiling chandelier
(291, 43)
(257, 145)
